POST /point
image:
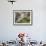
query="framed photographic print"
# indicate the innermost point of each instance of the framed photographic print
(22, 17)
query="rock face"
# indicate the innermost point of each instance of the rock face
(21, 15)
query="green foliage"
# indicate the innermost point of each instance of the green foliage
(25, 20)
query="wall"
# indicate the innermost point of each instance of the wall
(37, 31)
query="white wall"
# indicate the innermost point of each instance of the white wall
(38, 30)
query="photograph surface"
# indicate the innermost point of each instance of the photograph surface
(22, 16)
